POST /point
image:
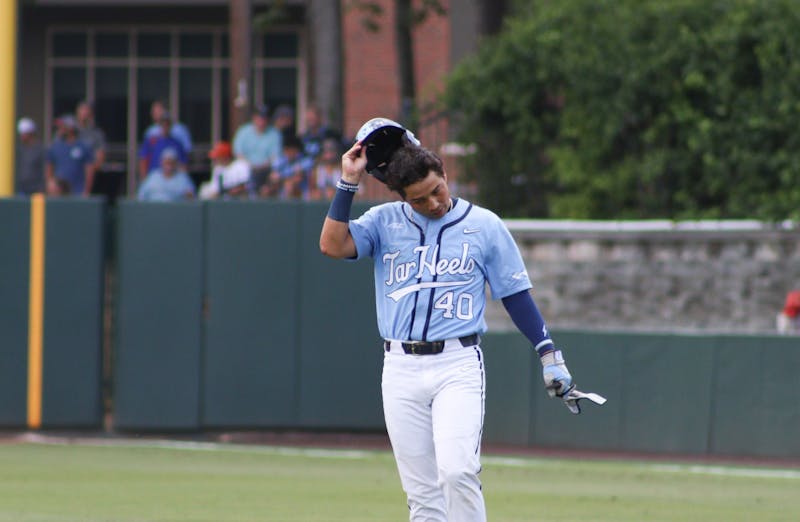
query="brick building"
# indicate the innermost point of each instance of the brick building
(123, 54)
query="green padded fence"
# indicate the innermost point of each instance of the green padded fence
(73, 319)
(70, 394)
(340, 349)
(14, 275)
(157, 376)
(674, 394)
(250, 363)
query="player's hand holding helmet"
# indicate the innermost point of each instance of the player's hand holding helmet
(354, 162)
(382, 137)
(557, 379)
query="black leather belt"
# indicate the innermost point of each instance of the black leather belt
(432, 347)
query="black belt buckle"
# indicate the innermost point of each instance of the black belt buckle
(423, 347)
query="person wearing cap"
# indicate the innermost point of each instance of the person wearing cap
(151, 149)
(433, 255)
(29, 160)
(167, 183)
(283, 120)
(788, 320)
(70, 159)
(317, 132)
(259, 144)
(177, 130)
(230, 178)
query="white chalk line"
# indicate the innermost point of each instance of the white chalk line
(351, 454)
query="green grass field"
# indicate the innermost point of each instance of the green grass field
(151, 481)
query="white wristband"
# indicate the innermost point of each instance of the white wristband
(345, 185)
(551, 358)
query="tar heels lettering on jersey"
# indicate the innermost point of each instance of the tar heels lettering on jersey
(427, 269)
(428, 262)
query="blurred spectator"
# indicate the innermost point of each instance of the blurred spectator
(152, 148)
(90, 134)
(283, 120)
(168, 183)
(788, 321)
(229, 178)
(290, 173)
(258, 144)
(70, 159)
(317, 132)
(327, 170)
(177, 130)
(30, 159)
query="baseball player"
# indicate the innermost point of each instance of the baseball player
(433, 253)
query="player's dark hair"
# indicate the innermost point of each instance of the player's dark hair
(410, 164)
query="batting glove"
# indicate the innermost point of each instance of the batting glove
(557, 379)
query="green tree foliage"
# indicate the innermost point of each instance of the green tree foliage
(636, 109)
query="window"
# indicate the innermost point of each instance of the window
(111, 102)
(111, 45)
(69, 88)
(280, 86)
(196, 45)
(152, 83)
(195, 102)
(280, 45)
(153, 45)
(69, 44)
(124, 69)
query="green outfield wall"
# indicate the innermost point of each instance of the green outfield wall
(72, 278)
(226, 316)
(675, 394)
(14, 277)
(229, 317)
(159, 308)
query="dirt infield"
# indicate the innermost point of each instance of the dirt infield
(367, 441)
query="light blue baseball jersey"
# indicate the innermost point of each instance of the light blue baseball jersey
(430, 274)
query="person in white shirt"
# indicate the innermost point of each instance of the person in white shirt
(230, 178)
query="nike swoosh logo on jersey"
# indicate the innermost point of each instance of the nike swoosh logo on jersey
(519, 275)
(471, 230)
(402, 292)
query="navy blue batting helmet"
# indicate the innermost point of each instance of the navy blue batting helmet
(382, 137)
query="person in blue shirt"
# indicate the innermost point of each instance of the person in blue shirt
(258, 143)
(290, 172)
(317, 132)
(433, 255)
(168, 183)
(177, 130)
(152, 148)
(70, 159)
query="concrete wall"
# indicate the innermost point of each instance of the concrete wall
(691, 277)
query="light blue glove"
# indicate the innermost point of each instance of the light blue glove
(557, 379)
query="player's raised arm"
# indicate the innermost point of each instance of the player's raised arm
(335, 239)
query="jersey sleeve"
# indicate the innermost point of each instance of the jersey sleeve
(505, 270)
(365, 233)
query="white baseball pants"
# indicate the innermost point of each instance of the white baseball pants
(433, 406)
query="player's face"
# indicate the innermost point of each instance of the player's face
(429, 196)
